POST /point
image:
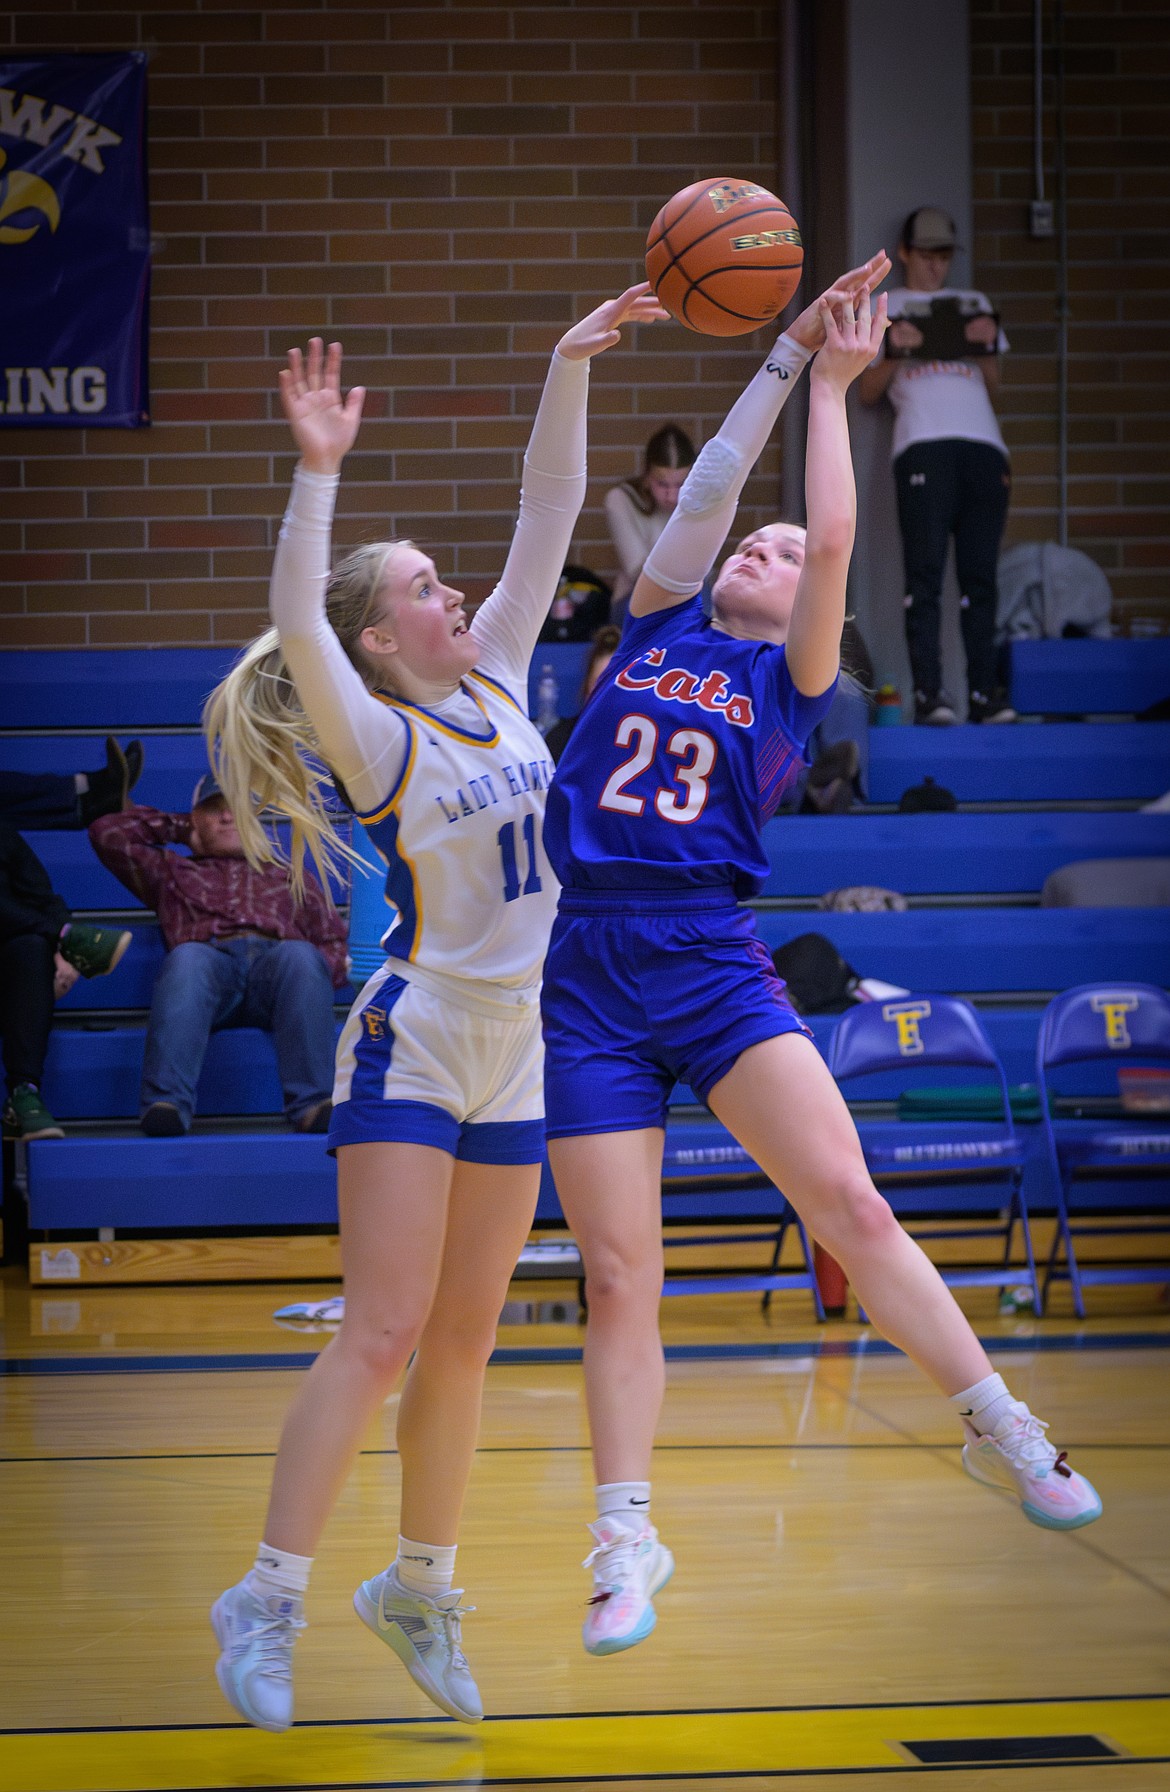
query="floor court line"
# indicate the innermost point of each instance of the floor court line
(829, 1741)
(553, 1450)
(233, 1362)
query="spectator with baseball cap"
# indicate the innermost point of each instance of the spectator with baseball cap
(241, 952)
(951, 468)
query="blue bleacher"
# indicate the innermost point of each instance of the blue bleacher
(114, 692)
(93, 1073)
(933, 853)
(1083, 678)
(809, 854)
(1062, 761)
(1056, 761)
(974, 950)
(270, 1177)
(275, 1179)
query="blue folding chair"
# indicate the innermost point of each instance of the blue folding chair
(698, 1158)
(1124, 1025)
(925, 1174)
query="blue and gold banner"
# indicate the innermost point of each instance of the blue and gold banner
(74, 242)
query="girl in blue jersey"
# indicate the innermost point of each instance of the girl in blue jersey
(654, 974)
(438, 1103)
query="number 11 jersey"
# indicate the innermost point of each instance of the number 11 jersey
(681, 754)
(460, 832)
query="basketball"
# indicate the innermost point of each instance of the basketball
(724, 256)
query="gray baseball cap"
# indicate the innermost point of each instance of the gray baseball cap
(931, 228)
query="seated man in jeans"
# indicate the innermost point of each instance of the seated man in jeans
(241, 952)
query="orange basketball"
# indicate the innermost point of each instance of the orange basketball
(724, 256)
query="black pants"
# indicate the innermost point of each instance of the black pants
(961, 489)
(31, 918)
(39, 800)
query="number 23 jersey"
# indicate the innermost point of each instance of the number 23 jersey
(681, 754)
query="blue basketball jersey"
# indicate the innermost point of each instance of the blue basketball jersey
(681, 754)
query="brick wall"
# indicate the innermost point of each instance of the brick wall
(443, 188)
(1117, 61)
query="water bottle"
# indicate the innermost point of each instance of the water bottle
(547, 692)
(887, 706)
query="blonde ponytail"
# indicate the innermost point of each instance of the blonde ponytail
(262, 745)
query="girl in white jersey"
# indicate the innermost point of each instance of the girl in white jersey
(438, 1115)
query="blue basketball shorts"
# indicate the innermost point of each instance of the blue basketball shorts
(643, 990)
(422, 1062)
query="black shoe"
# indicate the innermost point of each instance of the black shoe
(934, 709)
(110, 787)
(162, 1120)
(995, 708)
(830, 788)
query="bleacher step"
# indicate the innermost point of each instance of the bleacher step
(1089, 677)
(1055, 761)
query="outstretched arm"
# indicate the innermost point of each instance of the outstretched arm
(362, 740)
(852, 338)
(685, 551)
(553, 489)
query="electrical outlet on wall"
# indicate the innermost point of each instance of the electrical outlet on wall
(1041, 221)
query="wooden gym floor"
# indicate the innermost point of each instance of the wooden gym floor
(848, 1608)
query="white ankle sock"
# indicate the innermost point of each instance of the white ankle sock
(984, 1404)
(278, 1571)
(628, 1501)
(425, 1567)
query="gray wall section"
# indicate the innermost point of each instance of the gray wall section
(909, 144)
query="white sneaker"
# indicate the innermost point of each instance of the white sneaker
(1018, 1456)
(629, 1567)
(255, 1669)
(426, 1635)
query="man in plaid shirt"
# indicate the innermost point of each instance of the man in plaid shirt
(241, 952)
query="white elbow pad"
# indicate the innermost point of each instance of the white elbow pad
(711, 479)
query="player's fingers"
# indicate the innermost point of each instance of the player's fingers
(313, 374)
(333, 366)
(354, 403)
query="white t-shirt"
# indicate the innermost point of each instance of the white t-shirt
(937, 401)
(633, 534)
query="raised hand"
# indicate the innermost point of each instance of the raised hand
(601, 329)
(853, 335)
(809, 329)
(324, 425)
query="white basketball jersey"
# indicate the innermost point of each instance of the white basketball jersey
(472, 891)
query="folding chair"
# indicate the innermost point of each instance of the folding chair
(925, 1173)
(696, 1158)
(1124, 1025)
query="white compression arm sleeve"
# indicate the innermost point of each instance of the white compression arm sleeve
(362, 740)
(551, 496)
(685, 551)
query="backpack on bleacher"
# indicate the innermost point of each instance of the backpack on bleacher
(1046, 592)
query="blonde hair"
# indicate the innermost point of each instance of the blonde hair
(262, 745)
